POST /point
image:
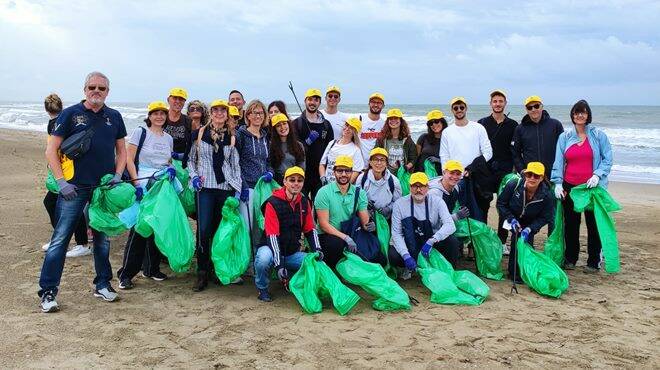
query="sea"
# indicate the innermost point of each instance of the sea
(634, 131)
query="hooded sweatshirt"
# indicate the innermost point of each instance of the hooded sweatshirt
(378, 191)
(536, 142)
(253, 153)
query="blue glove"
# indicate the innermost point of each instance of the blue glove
(313, 135)
(139, 193)
(426, 248)
(282, 273)
(245, 194)
(525, 234)
(67, 191)
(320, 256)
(116, 179)
(171, 172)
(410, 263)
(177, 156)
(267, 177)
(197, 183)
(515, 225)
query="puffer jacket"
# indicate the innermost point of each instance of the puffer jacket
(536, 213)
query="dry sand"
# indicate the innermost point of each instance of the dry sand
(602, 321)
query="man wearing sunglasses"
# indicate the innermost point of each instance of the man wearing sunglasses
(526, 206)
(535, 139)
(178, 125)
(331, 111)
(288, 221)
(106, 155)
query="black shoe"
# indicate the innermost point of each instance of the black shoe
(214, 278)
(126, 284)
(201, 283)
(159, 276)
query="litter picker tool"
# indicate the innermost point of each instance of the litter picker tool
(514, 242)
(295, 97)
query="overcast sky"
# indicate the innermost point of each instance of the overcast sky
(413, 52)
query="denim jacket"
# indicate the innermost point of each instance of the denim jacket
(602, 151)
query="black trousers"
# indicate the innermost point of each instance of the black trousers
(572, 222)
(484, 206)
(210, 203)
(333, 249)
(139, 248)
(80, 233)
(513, 255)
(449, 248)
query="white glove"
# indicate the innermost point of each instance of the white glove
(593, 181)
(559, 191)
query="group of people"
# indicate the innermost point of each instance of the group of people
(339, 173)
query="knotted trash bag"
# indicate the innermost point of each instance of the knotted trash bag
(539, 272)
(555, 245)
(231, 249)
(162, 215)
(106, 204)
(262, 191)
(373, 278)
(601, 203)
(447, 285)
(429, 169)
(508, 177)
(51, 183)
(315, 281)
(404, 179)
(487, 247)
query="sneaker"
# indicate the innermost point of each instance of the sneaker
(107, 294)
(48, 303)
(159, 276)
(201, 283)
(590, 270)
(264, 295)
(126, 284)
(237, 281)
(505, 250)
(406, 274)
(79, 251)
(569, 266)
(45, 247)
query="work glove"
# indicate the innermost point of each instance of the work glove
(267, 177)
(313, 135)
(410, 263)
(351, 244)
(434, 160)
(463, 212)
(515, 225)
(245, 194)
(426, 248)
(171, 172)
(177, 156)
(320, 256)
(559, 191)
(593, 181)
(370, 227)
(282, 273)
(116, 179)
(139, 193)
(324, 180)
(197, 183)
(525, 234)
(67, 191)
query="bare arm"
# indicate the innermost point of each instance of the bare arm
(131, 151)
(52, 156)
(120, 156)
(323, 217)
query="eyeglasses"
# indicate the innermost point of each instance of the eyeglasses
(257, 113)
(418, 186)
(218, 109)
(531, 175)
(333, 96)
(379, 160)
(533, 106)
(95, 87)
(458, 108)
(343, 170)
(376, 102)
(196, 109)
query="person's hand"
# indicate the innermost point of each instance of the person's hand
(559, 192)
(525, 234)
(324, 180)
(351, 244)
(426, 248)
(245, 194)
(320, 256)
(171, 173)
(67, 190)
(463, 212)
(466, 173)
(435, 160)
(409, 167)
(593, 181)
(410, 263)
(116, 179)
(515, 225)
(139, 193)
(371, 205)
(369, 227)
(313, 135)
(177, 156)
(197, 183)
(282, 273)
(267, 177)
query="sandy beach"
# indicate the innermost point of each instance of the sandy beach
(603, 321)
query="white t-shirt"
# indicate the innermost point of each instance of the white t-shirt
(369, 134)
(465, 143)
(334, 150)
(337, 120)
(155, 153)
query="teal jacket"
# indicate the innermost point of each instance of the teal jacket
(600, 145)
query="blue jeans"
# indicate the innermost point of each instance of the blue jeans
(68, 212)
(263, 262)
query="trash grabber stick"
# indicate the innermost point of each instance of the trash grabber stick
(295, 97)
(122, 181)
(514, 242)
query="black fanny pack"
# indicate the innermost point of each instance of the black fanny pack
(76, 145)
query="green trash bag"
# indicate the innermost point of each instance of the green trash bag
(315, 281)
(181, 173)
(404, 179)
(555, 245)
(51, 183)
(601, 203)
(231, 251)
(372, 278)
(383, 233)
(262, 191)
(539, 272)
(447, 285)
(487, 247)
(429, 169)
(162, 215)
(187, 198)
(508, 177)
(107, 202)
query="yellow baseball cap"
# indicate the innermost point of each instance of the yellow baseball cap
(498, 92)
(295, 170)
(313, 92)
(179, 92)
(233, 111)
(378, 151)
(157, 105)
(533, 98)
(333, 88)
(419, 178)
(434, 114)
(278, 118)
(219, 103)
(344, 161)
(377, 95)
(395, 112)
(355, 123)
(457, 99)
(453, 165)
(535, 167)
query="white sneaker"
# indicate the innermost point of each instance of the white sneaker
(45, 247)
(79, 251)
(48, 303)
(107, 294)
(505, 250)
(406, 274)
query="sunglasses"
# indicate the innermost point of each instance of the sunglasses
(530, 175)
(196, 109)
(333, 96)
(434, 122)
(300, 181)
(417, 186)
(458, 108)
(343, 170)
(94, 87)
(533, 106)
(580, 113)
